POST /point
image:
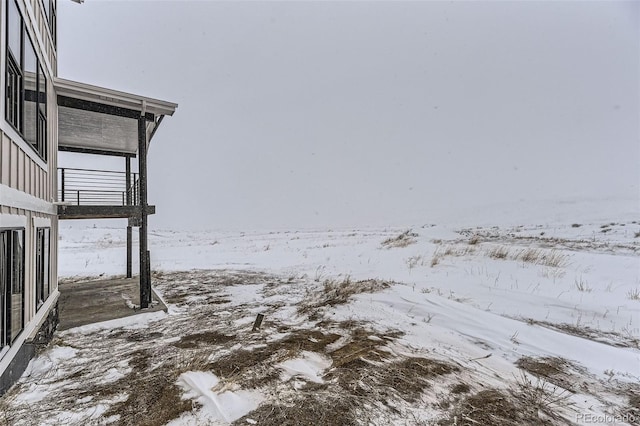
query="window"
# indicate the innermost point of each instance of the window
(26, 91)
(42, 265)
(11, 285)
(14, 90)
(14, 67)
(50, 12)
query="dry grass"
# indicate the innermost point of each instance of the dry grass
(549, 258)
(255, 367)
(535, 256)
(554, 370)
(405, 239)
(351, 387)
(496, 408)
(307, 408)
(528, 402)
(147, 390)
(361, 348)
(582, 285)
(611, 338)
(460, 388)
(499, 252)
(633, 294)
(414, 261)
(409, 377)
(487, 407)
(335, 293)
(363, 374)
(206, 338)
(633, 400)
(539, 396)
(152, 391)
(451, 250)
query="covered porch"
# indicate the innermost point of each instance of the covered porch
(105, 122)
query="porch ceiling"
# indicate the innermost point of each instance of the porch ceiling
(100, 120)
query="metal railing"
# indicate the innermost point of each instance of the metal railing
(87, 187)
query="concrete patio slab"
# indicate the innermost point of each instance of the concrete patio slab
(88, 302)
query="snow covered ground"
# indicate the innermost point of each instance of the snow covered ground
(534, 323)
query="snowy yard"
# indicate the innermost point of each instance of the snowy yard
(436, 325)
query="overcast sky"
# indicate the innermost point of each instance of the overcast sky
(306, 114)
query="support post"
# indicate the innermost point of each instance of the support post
(129, 251)
(127, 178)
(63, 184)
(129, 230)
(145, 279)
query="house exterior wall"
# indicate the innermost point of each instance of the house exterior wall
(28, 190)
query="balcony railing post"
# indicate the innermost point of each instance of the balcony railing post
(78, 197)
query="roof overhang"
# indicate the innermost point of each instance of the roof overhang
(98, 120)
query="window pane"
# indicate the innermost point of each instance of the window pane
(30, 58)
(53, 25)
(4, 277)
(47, 273)
(42, 91)
(14, 89)
(17, 283)
(42, 136)
(42, 113)
(14, 26)
(30, 92)
(39, 270)
(16, 262)
(42, 265)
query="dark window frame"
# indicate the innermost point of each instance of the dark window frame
(13, 97)
(15, 68)
(7, 283)
(43, 273)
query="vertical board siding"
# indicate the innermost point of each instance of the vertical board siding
(31, 172)
(5, 166)
(41, 26)
(19, 171)
(13, 166)
(38, 177)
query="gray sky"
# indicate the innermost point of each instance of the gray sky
(302, 114)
